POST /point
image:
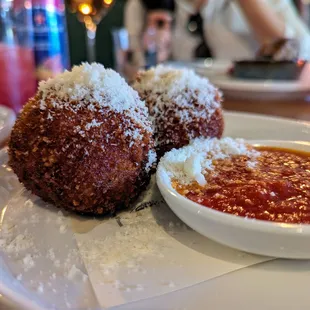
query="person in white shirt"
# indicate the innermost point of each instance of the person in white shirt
(233, 29)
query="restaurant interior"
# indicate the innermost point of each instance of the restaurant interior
(154, 154)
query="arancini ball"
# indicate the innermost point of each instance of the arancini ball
(182, 106)
(84, 142)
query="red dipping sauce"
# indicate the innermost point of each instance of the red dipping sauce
(276, 187)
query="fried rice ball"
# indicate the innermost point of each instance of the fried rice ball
(182, 106)
(84, 142)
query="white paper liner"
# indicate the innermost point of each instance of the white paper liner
(153, 253)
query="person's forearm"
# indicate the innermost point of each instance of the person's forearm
(134, 17)
(265, 23)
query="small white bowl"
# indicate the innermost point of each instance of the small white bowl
(249, 235)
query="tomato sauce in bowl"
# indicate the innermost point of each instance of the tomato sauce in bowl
(275, 187)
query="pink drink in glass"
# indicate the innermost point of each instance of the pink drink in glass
(17, 76)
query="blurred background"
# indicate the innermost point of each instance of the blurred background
(41, 38)
(115, 19)
(104, 43)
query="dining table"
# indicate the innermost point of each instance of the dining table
(298, 109)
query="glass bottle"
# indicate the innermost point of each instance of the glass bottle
(17, 74)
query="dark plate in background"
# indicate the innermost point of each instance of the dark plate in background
(267, 70)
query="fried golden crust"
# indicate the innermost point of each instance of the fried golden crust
(171, 132)
(178, 134)
(93, 171)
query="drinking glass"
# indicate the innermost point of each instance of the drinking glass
(17, 74)
(90, 12)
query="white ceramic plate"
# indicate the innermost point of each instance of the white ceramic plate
(206, 67)
(254, 236)
(263, 89)
(45, 227)
(7, 119)
(210, 67)
(216, 71)
(267, 90)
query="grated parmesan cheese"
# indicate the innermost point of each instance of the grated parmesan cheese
(76, 274)
(151, 160)
(173, 82)
(40, 288)
(176, 95)
(119, 251)
(192, 162)
(96, 88)
(63, 229)
(92, 124)
(20, 243)
(51, 254)
(91, 98)
(28, 262)
(251, 164)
